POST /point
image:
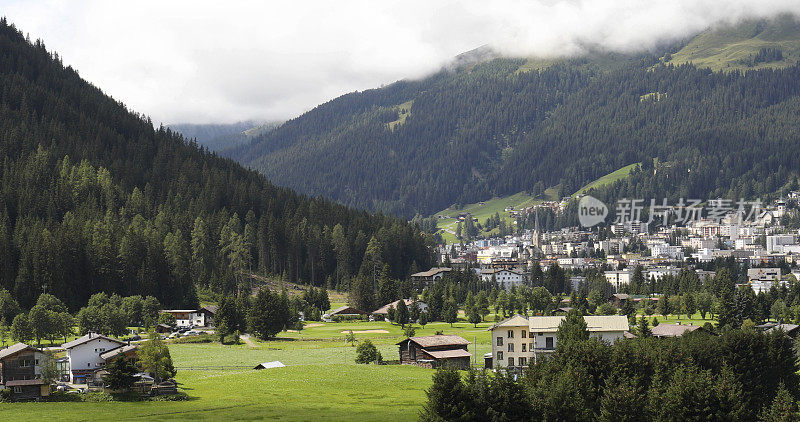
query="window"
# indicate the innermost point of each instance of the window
(522, 361)
(510, 333)
(18, 390)
(548, 342)
(499, 341)
(523, 347)
(524, 334)
(510, 361)
(499, 356)
(36, 362)
(510, 347)
(530, 347)
(24, 363)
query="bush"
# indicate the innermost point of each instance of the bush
(181, 396)
(97, 397)
(341, 318)
(202, 338)
(366, 352)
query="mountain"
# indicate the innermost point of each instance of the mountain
(93, 198)
(472, 132)
(217, 137)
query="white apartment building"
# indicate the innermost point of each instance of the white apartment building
(619, 278)
(505, 278)
(777, 243)
(520, 340)
(667, 251)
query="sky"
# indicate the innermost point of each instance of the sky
(226, 61)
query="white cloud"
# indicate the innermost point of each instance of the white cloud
(199, 61)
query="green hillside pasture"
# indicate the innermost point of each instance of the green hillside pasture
(609, 178)
(729, 48)
(482, 211)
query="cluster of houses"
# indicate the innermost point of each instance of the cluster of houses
(661, 250)
(84, 361)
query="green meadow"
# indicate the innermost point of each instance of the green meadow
(320, 380)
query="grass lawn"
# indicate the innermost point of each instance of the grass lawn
(696, 319)
(320, 380)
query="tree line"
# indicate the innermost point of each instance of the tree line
(94, 199)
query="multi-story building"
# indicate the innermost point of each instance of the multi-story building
(520, 340)
(619, 278)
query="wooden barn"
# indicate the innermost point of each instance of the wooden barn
(435, 351)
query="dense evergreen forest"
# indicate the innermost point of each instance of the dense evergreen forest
(93, 199)
(464, 135)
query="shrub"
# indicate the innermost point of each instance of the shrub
(366, 352)
(181, 396)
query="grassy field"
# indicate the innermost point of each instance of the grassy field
(320, 380)
(728, 48)
(482, 211)
(609, 178)
(403, 111)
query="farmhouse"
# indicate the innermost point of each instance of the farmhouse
(20, 371)
(519, 340)
(426, 278)
(435, 351)
(84, 355)
(384, 310)
(203, 317)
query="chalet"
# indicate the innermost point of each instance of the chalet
(520, 340)
(345, 312)
(203, 317)
(435, 351)
(84, 355)
(426, 278)
(20, 371)
(673, 330)
(619, 299)
(384, 310)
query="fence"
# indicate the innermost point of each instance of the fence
(215, 368)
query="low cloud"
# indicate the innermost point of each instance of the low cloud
(204, 62)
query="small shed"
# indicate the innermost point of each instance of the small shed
(269, 365)
(22, 390)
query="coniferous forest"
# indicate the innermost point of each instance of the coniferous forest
(466, 134)
(93, 198)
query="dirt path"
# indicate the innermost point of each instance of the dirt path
(246, 339)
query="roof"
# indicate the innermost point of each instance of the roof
(621, 296)
(431, 272)
(514, 321)
(448, 354)
(672, 330)
(628, 334)
(212, 309)
(385, 308)
(497, 270)
(17, 383)
(438, 340)
(549, 324)
(344, 308)
(268, 365)
(87, 338)
(607, 322)
(16, 348)
(177, 311)
(114, 352)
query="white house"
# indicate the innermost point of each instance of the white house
(84, 354)
(203, 317)
(505, 278)
(519, 340)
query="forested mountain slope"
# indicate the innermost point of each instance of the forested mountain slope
(506, 125)
(217, 137)
(92, 199)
